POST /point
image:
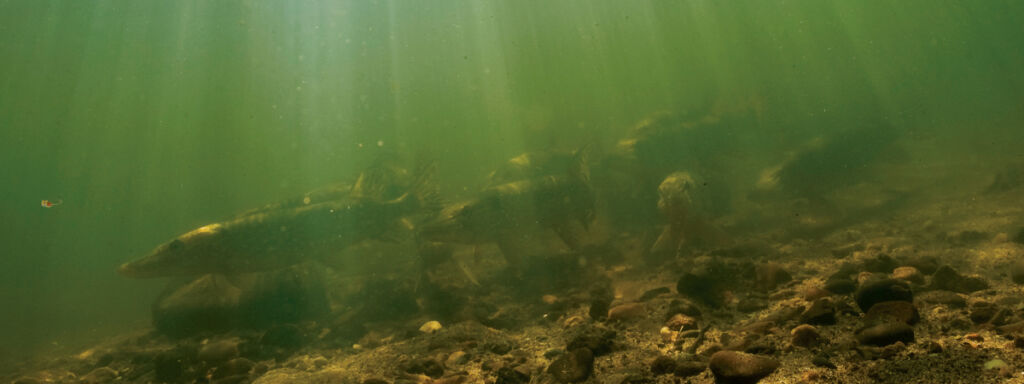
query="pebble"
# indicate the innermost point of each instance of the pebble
(573, 366)
(947, 278)
(815, 293)
(702, 285)
(821, 312)
(840, 285)
(730, 367)
(892, 311)
(689, 368)
(882, 263)
(430, 326)
(884, 334)
(983, 311)
(947, 298)
(805, 335)
(663, 365)
(881, 290)
(908, 274)
(626, 311)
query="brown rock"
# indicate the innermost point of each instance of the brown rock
(821, 312)
(947, 298)
(878, 291)
(689, 368)
(626, 311)
(983, 311)
(886, 334)
(815, 293)
(909, 274)
(663, 365)
(573, 366)
(681, 322)
(730, 367)
(892, 311)
(805, 335)
(947, 278)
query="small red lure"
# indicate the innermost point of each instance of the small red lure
(51, 204)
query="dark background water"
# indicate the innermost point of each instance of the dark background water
(148, 118)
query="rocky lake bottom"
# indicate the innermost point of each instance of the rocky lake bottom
(929, 293)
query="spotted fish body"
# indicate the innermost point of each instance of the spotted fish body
(502, 212)
(281, 235)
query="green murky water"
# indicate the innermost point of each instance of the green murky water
(150, 118)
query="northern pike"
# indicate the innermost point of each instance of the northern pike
(278, 236)
(500, 214)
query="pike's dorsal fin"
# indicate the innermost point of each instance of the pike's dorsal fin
(332, 192)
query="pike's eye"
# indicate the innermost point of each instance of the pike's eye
(175, 245)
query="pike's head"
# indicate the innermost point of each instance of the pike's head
(188, 254)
